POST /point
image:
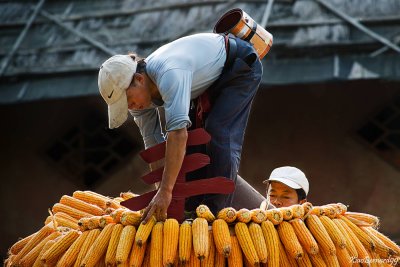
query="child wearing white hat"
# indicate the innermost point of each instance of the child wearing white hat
(286, 186)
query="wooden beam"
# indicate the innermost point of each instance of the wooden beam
(81, 35)
(359, 26)
(21, 37)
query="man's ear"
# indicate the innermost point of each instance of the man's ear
(139, 78)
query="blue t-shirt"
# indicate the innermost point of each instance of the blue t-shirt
(182, 70)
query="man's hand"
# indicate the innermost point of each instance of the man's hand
(158, 206)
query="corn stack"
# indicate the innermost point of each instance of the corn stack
(89, 229)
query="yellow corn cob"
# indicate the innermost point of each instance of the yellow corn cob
(20, 244)
(304, 261)
(320, 234)
(329, 258)
(9, 261)
(66, 216)
(334, 233)
(257, 237)
(185, 242)
(298, 211)
(83, 223)
(89, 223)
(219, 260)
(137, 255)
(258, 215)
(339, 207)
(104, 220)
(287, 213)
(222, 237)
(52, 255)
(92, 198)
(392, 245)
(367, 219)
(247, 245)
(317, 260)
(275, 216)
(374, 259)
(94, 222)
(307, 206)
(62, 221)
(380, 248)
(117, 214)
(113, 203)
(170, 241)
(246, 263)
(108, 211)
(289, 240)
(209, 260)
(35, 240)
(99, 247)
(349, 244)
(71, 254)
(113, 244)
(38, 262)
(304, 236)
(235, 259)
(203, 211)
(271, 238)
(317, 210)
(193, 261)
(343, 257)
(330, 211)
(31, 256)
(361, 251)
(81, 205)
(75, 213)
(91, 237)
(243, 215)
(131, 218)
(127, 195)
(146, 260)
(125, 244)
(101, 262)
(200, 238)
(361, 235)
(227, 214)
(144, 231)
(156, 250)
(284, 259)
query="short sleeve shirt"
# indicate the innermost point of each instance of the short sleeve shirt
(182, 70)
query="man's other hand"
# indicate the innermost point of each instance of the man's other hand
(158, 206)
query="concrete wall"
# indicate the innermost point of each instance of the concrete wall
(308, 126)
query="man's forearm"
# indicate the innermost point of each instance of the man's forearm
(174, 154)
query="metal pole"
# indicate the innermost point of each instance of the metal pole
(382, 49)
(267, 12)
(81, 35)
(359, 26)
(21, 37)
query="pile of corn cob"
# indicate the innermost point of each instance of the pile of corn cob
(89, 229)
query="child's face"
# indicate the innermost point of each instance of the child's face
(281, 195)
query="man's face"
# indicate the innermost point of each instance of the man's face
(281, 195)
(138, 93)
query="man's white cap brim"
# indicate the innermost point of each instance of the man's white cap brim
(118, 112)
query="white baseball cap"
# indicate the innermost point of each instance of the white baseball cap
(290, 176)
(115, 76)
